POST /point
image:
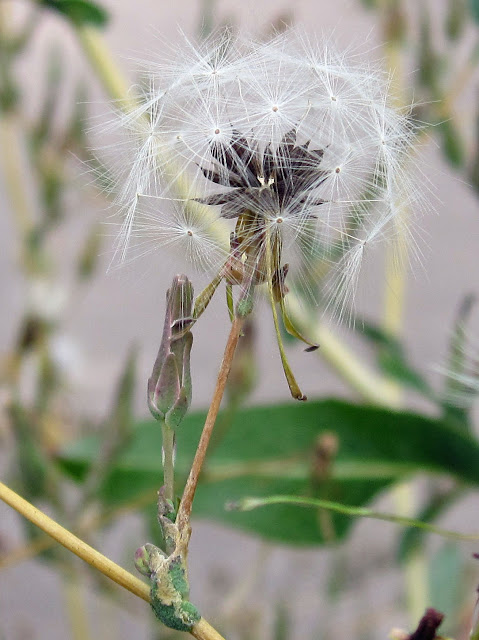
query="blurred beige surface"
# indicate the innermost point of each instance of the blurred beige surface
(126, 306)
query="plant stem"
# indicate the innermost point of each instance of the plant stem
(416, 571)
(91, 556)
(202, 630)
(75, 604)
(292, 384)
(168, 461)
(105, 67)
(184, 510)
(12, 158)
(458, 84)
(396, 271)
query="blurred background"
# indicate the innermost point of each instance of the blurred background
(68, 325)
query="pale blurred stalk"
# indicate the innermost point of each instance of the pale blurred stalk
(396, 269)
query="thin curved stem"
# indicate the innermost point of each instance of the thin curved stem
(184, 510)
(292, 384)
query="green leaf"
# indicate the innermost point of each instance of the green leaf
(447, 587)
(116, 432)
(392, 358)
(435, 507)
(456, 19)
(452, 143)
(282, 624)
(271, 450)
(79, 11)
(428, 58)
(461, 372)
(474, 9)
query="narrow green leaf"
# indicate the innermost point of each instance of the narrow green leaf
(436, 505)
(447, 587)
(456, 19)
(79, 11)
(461, 372)
(452, 143)
(88, 258)
(32, 464)
(116, 433)
(428, 59)
(474, 9)
(392, 358)
(282, 626)
(54, 72)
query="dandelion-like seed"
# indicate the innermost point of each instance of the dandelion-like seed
(286, 147)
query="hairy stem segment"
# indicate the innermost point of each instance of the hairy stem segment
(184, 510)
(202, 630)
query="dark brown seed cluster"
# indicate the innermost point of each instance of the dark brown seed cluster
(265, 180)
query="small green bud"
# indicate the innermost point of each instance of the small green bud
(245, 304)
(150, 560)
(169, 387)
(142, 561)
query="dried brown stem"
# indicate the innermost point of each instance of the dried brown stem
(184, 510)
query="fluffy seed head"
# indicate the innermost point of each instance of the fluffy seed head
(285, 140)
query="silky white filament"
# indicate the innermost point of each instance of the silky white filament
(289, 129)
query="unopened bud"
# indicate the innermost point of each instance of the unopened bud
(149, 559)
(169, 387)
(142, 561)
